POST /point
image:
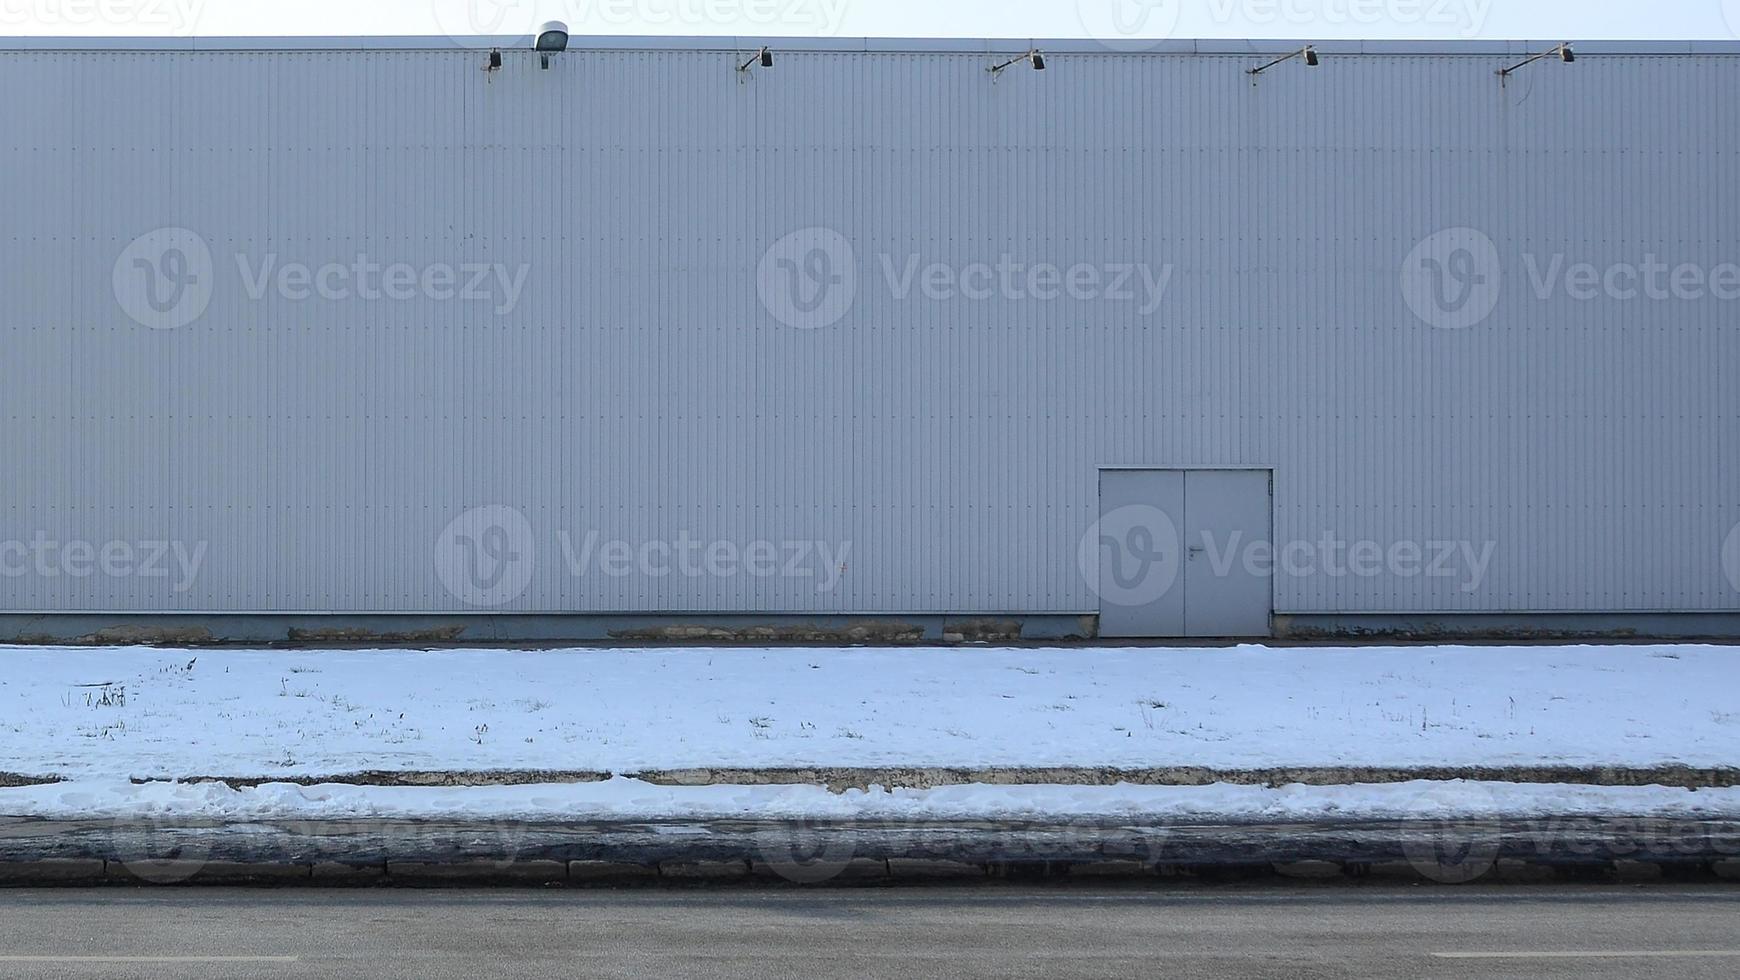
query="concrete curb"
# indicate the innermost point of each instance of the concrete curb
(422, 854)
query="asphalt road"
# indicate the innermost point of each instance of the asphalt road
(983, 931)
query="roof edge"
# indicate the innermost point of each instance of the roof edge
(582, 42)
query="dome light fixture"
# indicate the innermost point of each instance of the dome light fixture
(552, 37)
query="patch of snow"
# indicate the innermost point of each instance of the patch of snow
(147, 712)
(621, 798)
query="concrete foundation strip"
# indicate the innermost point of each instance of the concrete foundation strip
(410, 852)
(357, 852)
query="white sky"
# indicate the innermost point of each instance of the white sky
(1118, 21)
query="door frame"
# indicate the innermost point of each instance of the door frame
(1187, 467)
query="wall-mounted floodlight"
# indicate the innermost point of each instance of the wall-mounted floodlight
(552, 37)
(1307, 52)
(1032, 57)
(764, 58)
(1563, 52)
(493, 65)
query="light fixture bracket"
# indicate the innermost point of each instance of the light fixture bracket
(1033, 57)
(1562, 51)
(764, 58)
(1308, 52)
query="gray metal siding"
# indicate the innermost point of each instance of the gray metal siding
(640, 388)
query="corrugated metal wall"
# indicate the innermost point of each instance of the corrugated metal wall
(316, 449)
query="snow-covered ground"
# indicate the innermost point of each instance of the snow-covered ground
(142, 712)
(621, 798)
